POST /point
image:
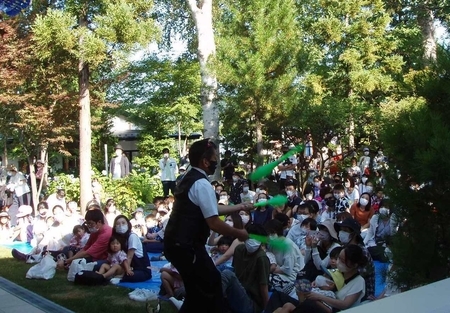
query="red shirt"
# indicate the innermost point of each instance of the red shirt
(97, 245)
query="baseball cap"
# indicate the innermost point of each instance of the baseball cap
(350, 223)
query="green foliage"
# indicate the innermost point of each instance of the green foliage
(418, 142)
(135, 190)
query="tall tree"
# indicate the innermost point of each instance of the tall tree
(91, 33)
(258, 46)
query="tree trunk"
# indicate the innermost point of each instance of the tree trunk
(85, 129)
(202, 15)
(259, 142)
(426, 24)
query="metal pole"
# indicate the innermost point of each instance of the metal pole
(106, 159)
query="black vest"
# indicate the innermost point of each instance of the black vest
(186, 225)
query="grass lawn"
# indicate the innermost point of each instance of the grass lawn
(82, 299)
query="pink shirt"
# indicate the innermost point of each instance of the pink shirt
(97, 245)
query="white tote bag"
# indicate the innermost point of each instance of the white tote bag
(77, 266)
(45, 269)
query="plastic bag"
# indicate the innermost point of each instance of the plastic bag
(45, 269)
(77, 266)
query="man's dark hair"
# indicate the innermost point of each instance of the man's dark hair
(225, 240)
(95, 216)
(201, 149)
(282, 218)
(165, 150)
(274, 227)
(313, 206)
(256, 229)
(311, 222)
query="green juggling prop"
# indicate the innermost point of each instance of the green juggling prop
(267, 169)
(274, 201)
(276, 243)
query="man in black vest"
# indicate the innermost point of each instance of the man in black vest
(195, 212)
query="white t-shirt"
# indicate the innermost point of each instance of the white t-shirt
(291, 173)
(135, 243)
(204, 196)
(356, 285)
(248, 197)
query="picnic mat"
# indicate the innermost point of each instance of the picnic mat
(154, 283)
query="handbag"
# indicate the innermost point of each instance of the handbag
(77, 266)
(45, 269)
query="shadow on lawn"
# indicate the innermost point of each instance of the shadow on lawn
(80, 299)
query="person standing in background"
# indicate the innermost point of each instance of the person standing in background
(119, 166)
(169, 171)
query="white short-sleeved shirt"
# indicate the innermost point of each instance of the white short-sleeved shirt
(135, 243)
(203, 195)
(356, 285)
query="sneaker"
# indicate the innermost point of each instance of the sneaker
(134, 291)
(144, 295)
(177, 303)
(18, 255)
(115, 281)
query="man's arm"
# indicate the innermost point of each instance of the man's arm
(219, 226)
(226, 209)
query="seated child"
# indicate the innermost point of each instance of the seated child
(117, 261)
(171, 282)
(138, 223)
(6, 232)
(223, 245)
(308, 224)
(152, 229)
(78, 240)
(334, 255)
(327, 284)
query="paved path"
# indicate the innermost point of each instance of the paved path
(14, 298)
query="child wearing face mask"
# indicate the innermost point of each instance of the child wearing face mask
(262, 214)
(247, 195)
(298, 233)
(342, 204)
(382, 227)
(117, 262)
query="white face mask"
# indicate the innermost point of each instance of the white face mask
(93, 230)
(245, 189)
(342, 267)
(59, 217)
(223, 197)
(112, 209)
(344, 237)
(150, 224)
(364, 179)
(245, 219)
(384, 211)
(317, 184)
(366, 153)
(230, 223)
(257, 190)
(166, 155)
(323, 235)
(303, 231)
(252, 245)
(309, 196)
(304, 216)
(289, 193)
(262, 200)
(235, 179)
(363, 201)
(369, 189)
(121, 229)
